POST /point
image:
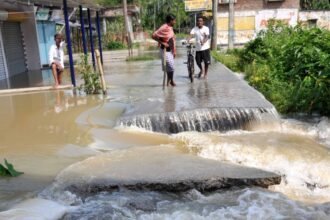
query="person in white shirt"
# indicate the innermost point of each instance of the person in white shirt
(56, 59)
(201, 34)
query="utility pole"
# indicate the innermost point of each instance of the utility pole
(195, 18)
(127, 34)
(215, 24)
(154, 16)
(231, 25)
(178, 13)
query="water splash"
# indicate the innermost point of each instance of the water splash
(201, 120)
(302, 161)
(234, 204)
(36, 209)
(319, 128)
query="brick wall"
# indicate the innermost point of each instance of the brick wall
(244, 5)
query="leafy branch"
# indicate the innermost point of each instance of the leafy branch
(92, 83)
(7, 170)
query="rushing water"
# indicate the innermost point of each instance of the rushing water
(44, 133)
(202, 120)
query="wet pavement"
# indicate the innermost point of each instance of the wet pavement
(147, 168)
(43, 133)
(44, 76)
(29, 79)
(141, 83)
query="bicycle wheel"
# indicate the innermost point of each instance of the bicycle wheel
(191, 68)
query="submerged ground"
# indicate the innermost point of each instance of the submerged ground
(44, 133)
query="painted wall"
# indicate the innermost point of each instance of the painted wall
(322, 18)
(247, 5)
(244, 25)
(198, 5)
(249, 23)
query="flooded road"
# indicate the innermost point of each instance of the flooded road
(36, 130)
(44, 133)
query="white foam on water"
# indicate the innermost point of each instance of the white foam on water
(35, 209)
(125, 137)
(56, 193)
(303, 163)
(318, 128)
(204, 120)
(134, 129)
(246, 204)
(250, 203)
(292, 150)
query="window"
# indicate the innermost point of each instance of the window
(226, 1)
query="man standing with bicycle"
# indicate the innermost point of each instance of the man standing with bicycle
(201, 34)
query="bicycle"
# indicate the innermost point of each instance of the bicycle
(190, 60)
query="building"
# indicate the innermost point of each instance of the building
(27, 31)
(251, 16)
(133, 12)
(318, 18)
(18, 39)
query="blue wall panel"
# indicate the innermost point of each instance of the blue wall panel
(46, 32)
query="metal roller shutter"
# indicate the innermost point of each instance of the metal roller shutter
(3, 70)
(14, 50)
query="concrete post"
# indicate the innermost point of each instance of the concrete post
(127, 30)
(104, 20)
(231, 25)
(215, 23)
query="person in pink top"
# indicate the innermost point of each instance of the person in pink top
(166, 39)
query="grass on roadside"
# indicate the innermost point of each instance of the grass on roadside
(289, 65)
(140, 58)
(229, 59)
(182, 35)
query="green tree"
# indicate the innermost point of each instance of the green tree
(315, 4)
(290, 66)
(153, 13)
